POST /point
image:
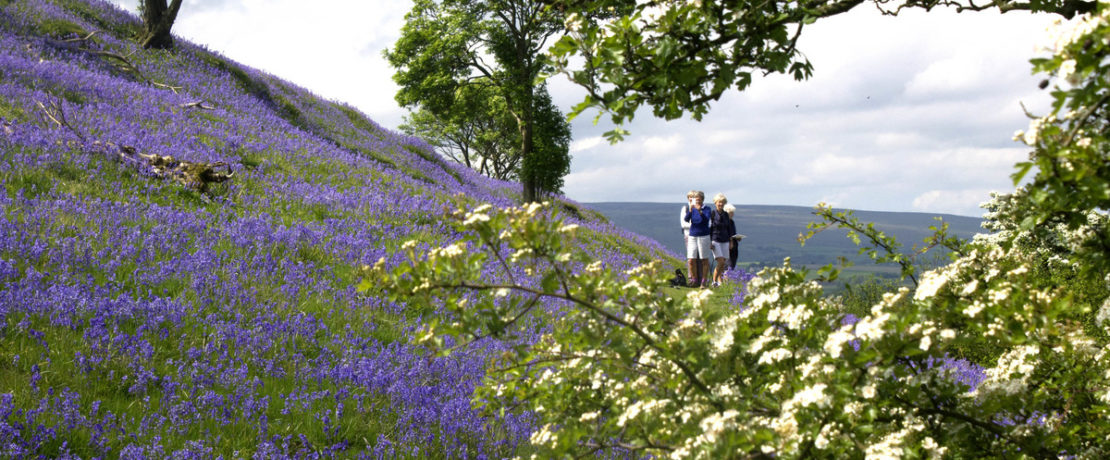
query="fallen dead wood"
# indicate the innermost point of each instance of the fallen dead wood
(169, 87)
(194, 175)
(197, 105)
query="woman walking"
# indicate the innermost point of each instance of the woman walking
(721, 230)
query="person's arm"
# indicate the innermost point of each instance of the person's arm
(684, 218)
(731, 234)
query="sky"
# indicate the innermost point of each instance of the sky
(908, 113)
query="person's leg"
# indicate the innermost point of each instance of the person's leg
(719, 276)
(692, 261)
(702, 252)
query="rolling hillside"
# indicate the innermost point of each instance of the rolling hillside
(180, 237)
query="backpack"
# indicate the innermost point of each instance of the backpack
(679, 279)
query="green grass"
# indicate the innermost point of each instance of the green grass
(9, 111)
(57, 28)
(359, 121)
(121, 30)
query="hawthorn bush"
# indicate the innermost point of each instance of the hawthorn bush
(609, 363)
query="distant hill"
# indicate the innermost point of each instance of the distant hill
(772, 231)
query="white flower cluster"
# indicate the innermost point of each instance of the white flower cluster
(835, 342)
(791, 316)
(1064, 33)
(786, 424)
(722, 339)
(932, 281)
(448, 252)
(891, 446)
(1011, 375)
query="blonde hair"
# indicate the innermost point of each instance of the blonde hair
(730, 209)
(695, 194)
(720, 198)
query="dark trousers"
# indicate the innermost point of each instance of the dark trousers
(733, 254)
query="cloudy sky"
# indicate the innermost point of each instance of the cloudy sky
(913, 113)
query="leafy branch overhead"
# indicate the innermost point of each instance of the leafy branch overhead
(677, 58)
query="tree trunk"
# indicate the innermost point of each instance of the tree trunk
(528, 185)
(158, 19)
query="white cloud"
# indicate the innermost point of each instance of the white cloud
(658, 146)
(331, 47)
(898, 140)
(961, 202)
(954, 75)
(839, 169)
(915, 119)
(586, 144)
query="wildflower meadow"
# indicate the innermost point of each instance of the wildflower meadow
(145, 317)
(201, 260)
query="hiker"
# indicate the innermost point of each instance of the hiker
(685, 224)
(734, 242)
(697, 243)
(721, 230)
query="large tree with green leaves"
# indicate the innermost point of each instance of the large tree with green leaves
(448, 45)
(478, 132)
(482, 134)
(678, 57)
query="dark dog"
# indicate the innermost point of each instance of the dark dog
(679, 279)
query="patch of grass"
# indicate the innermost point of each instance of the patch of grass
(58, 28)
(251, 162)
(246, 83)
(86, 12)
(207, 115)
(31, 182)
(9, 111)
(74, 97)
(359, 121)
(571, 209)
(423, 153)
(416, 174)
(289, 111)
(211, 141)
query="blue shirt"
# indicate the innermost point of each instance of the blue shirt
(699, 222)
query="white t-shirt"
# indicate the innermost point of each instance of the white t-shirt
(682, 221)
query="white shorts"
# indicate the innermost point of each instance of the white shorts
(720, 250)
(698, 247)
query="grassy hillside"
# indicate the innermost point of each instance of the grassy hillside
(143, 315)
(772, 232)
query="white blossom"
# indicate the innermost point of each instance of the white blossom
(475, 217)
(1011, 375)
(834, 344)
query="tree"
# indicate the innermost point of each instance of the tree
(158, 18)
(478, 132)
(448, 45)
(551, 162)
(678, 57)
